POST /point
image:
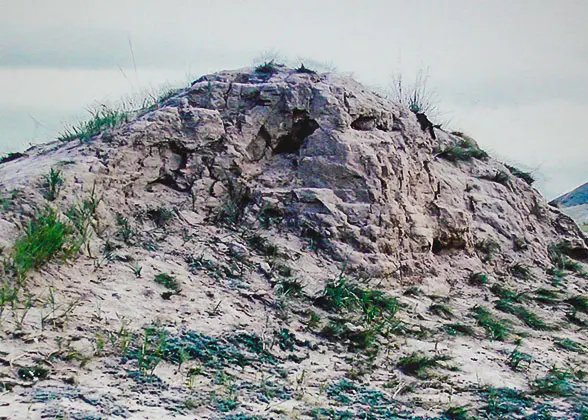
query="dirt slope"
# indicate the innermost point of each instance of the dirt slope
(278, 244)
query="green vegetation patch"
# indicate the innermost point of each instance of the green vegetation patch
(46, 238)
(496, 328)
(169, 282)
(504, 402)
(464, 150)
(558, 257)
(570, 345)
(525, 176)
(557, 382)
(157, 344)
(339, 295)
(357, 402)
(459, 329)
(51, 184)
(579, 302)
(522, 313)
(100, 120)
(418, 364)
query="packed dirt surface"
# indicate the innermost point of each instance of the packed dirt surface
(273, 243)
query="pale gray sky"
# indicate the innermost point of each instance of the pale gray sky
(510, 73)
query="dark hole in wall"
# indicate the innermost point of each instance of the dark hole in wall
(302, 127)
(437, 246)
(364, 123)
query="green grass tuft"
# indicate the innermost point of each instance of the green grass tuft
(579, 302)
(500, 177)
(102, 119)
(520, 271)
(464, 150)
(525, 176)
(169, 282)
(506, 293)
(528, 317)
(496, 328)
(487, 249)
(419, 364)
(46, 238)
(557, 382)
(478, 279)
(459, 329)
(570, 345)
(557, 255)
(339, 295)
(441, 310)
(52, 184)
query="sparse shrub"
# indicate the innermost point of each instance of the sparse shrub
(290, 287)
(11, 156)
(456, 328)
(267, 69)
(303, 69)
(102, 119)
(496, 329)
(571, 345)
(575, 319)
(338, 295)
(160, 216)
(487, 249)
(519, 244)
(263, 246)
(499, 177)
(525, 176)
(313, 320)
(413, 291)
(528, 317)
(506, 293)
(547, 296)
(33, 373)
(169, 282)
(52, 184)
(579, 302)
(457, 413)
(125, 231)
(502, 403)
(558, 257)
(464, 150)
(478, 279)
(341, 329)
(517, 358)
(419, 364)
(232, 211)
(557, 382)
(520, 271)
(441, 310)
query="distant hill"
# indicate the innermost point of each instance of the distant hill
(575, 204)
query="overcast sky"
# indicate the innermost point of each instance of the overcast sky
(513, 74)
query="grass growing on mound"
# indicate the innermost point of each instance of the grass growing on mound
(419, 364)
(46, 238)
(496, 329)
(339, 295)
(169, 282)
(558, 257)
(525, 176)
(52, 184)
(464, 150)
(102, 119)
(522, 313)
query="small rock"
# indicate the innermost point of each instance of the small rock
(265, 268)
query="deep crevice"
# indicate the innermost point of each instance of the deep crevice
(302, 127)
